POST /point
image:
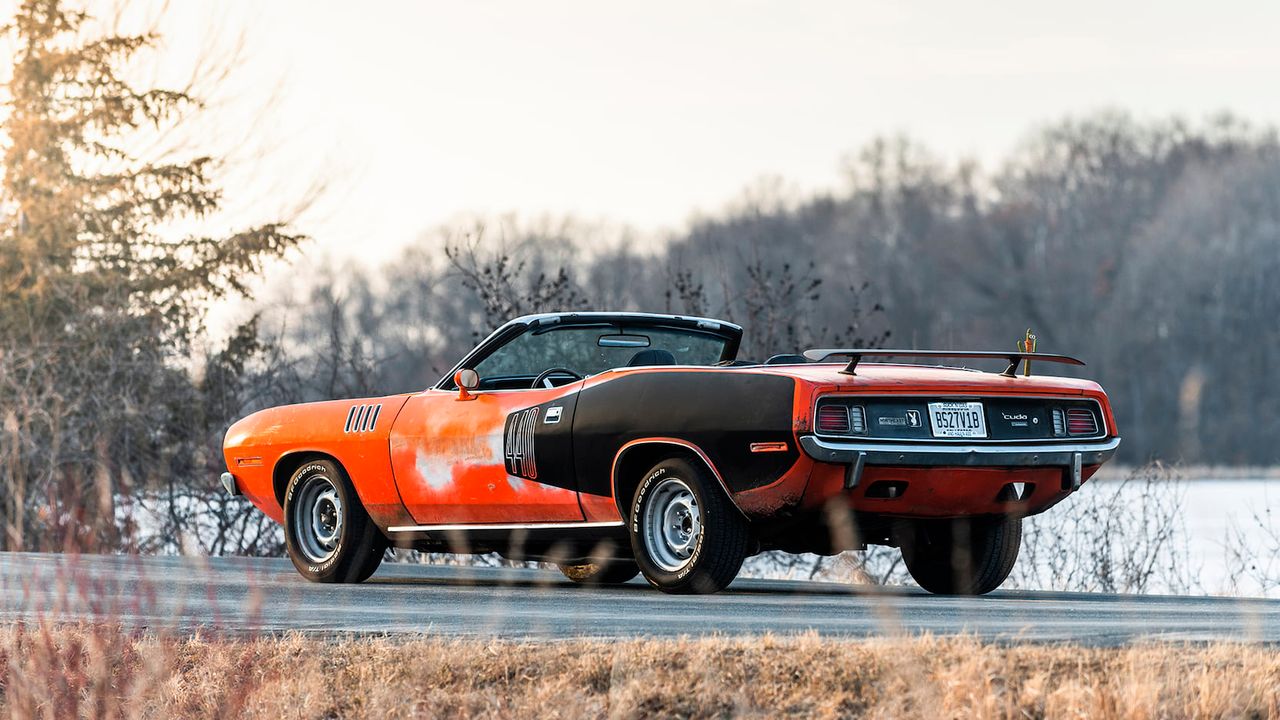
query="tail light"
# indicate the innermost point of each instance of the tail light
(1081, 421)
(837, 419)
(1059, 423)
(857, 420)
(833, 419)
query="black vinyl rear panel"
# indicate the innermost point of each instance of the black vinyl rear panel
(720, 411)
(1008, 418)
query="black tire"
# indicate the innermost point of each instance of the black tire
(356, 545)
(970, 556)
(716, 545)
(613, 572)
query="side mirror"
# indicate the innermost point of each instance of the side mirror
(467, 380)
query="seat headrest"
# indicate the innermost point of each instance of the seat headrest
(652, 357)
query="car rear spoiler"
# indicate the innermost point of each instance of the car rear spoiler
(1013, 358)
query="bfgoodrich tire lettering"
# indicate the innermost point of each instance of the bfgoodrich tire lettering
(327, 533)
(685, 534)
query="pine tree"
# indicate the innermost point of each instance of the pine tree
(101, 290)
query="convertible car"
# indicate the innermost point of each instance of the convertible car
(617, 444)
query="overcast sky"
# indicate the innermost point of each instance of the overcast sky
(646, 112)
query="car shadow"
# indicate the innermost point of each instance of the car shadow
(528, 579)
(537, 580)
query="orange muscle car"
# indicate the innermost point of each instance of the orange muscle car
(617, 444)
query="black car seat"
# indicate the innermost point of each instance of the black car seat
(786, 359)
(652, 357)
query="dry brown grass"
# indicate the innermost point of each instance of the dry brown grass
(68, 672)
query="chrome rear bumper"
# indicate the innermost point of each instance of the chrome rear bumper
(856, 455)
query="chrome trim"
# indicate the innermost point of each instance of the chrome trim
(505, 526)
(351, 415)
(729, 331)
(1103, 431)
(1041, 455)
(853, 472)
(373, 421)
(229, 484)
(570, 389)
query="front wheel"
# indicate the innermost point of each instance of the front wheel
(967, 556)
(327, 533)
(686, 535)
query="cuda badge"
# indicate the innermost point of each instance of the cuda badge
(518, 443)
(362, 418)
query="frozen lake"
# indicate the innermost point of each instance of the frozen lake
(1181, 533)
(1221, 519)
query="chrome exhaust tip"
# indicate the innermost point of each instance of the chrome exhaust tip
(229, 482)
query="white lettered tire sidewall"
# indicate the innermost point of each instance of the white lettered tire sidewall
(719, 548)
(352, 548)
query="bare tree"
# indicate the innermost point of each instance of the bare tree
(512, 279)
(1125, 536)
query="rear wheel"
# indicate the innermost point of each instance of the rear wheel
(686, 535)
(612, 572)
(327, 533)
(968, 556)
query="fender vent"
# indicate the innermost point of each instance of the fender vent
(518, 443)
(362, 418)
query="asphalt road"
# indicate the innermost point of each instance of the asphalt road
(244, 595)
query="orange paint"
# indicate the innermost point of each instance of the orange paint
(449, 465)
(941, 491)
(283, 434)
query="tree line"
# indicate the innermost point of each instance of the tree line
(1147, 247)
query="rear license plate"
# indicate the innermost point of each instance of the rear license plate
(957, 420)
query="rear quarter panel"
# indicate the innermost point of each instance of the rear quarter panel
(722, 412)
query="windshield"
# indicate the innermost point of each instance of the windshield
(591, 349)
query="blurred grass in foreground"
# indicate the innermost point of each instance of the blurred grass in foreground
(101, 671)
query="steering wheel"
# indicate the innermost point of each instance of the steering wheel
(545, 375)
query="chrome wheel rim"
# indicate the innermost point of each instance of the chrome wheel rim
(317, 518)
(672, 524)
